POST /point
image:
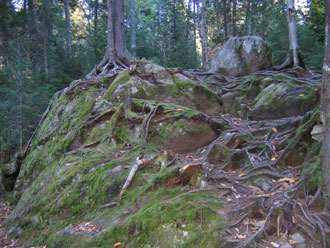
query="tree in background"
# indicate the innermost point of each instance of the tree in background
(204, 35)
(295, 57)
(68, 29)
(325, 111)
(133, 28)
(34, 61)
(116, 54)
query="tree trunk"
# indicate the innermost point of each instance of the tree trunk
(32, 26)
(325, 112)
(247, 17)
(96, 9)
(253, 17)
(194, 21)
(116, 55)
(204, 36)
(68, 29)
(133, 29)
(225, 19)
(295, 58)
(95, 42)
(44, 42)
(20, 102)
(234, 18)
(293, 37)
(44, 37)
(24, 5)
(32, 33)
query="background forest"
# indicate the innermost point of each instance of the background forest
(45, 44)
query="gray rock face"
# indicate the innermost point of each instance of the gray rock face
(241, 56)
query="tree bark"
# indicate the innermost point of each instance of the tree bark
(32, 32)
(253, 17)
(293, 37)
(116, 55)
(293, 32)
(234, 18)
(96, 10)
(195, 28)
(247, 17)
(133, 29)
(68, 29)
(325, 112)
(294, 58)
(204, 36)
(44, 36)
(225, 19)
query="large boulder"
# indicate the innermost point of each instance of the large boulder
(241, 56)
(177, 129)
(83, 151)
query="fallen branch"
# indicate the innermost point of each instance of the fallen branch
(108, 205)
(131, 175)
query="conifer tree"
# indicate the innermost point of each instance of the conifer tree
(116, 55)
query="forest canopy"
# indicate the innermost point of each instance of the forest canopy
(46, 44)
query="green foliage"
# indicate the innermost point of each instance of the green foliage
(34, 62)
(165, 33)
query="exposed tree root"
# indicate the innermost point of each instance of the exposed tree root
(129, 180)
(315, 197)
(254, 236)
(239, 220)
(82, 148)
(148, 123)
(109, 66)
(257, 143)
(255, 149)
(288, 63)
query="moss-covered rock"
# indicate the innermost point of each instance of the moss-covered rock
(95, 131)
(164, 87)
(284, 100)
(82, 153)
(270, 97)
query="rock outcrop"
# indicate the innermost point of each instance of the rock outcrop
(152, 157)
(241, 56)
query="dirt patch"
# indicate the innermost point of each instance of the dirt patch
(186, 143)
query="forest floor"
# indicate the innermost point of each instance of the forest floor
(5, 241)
